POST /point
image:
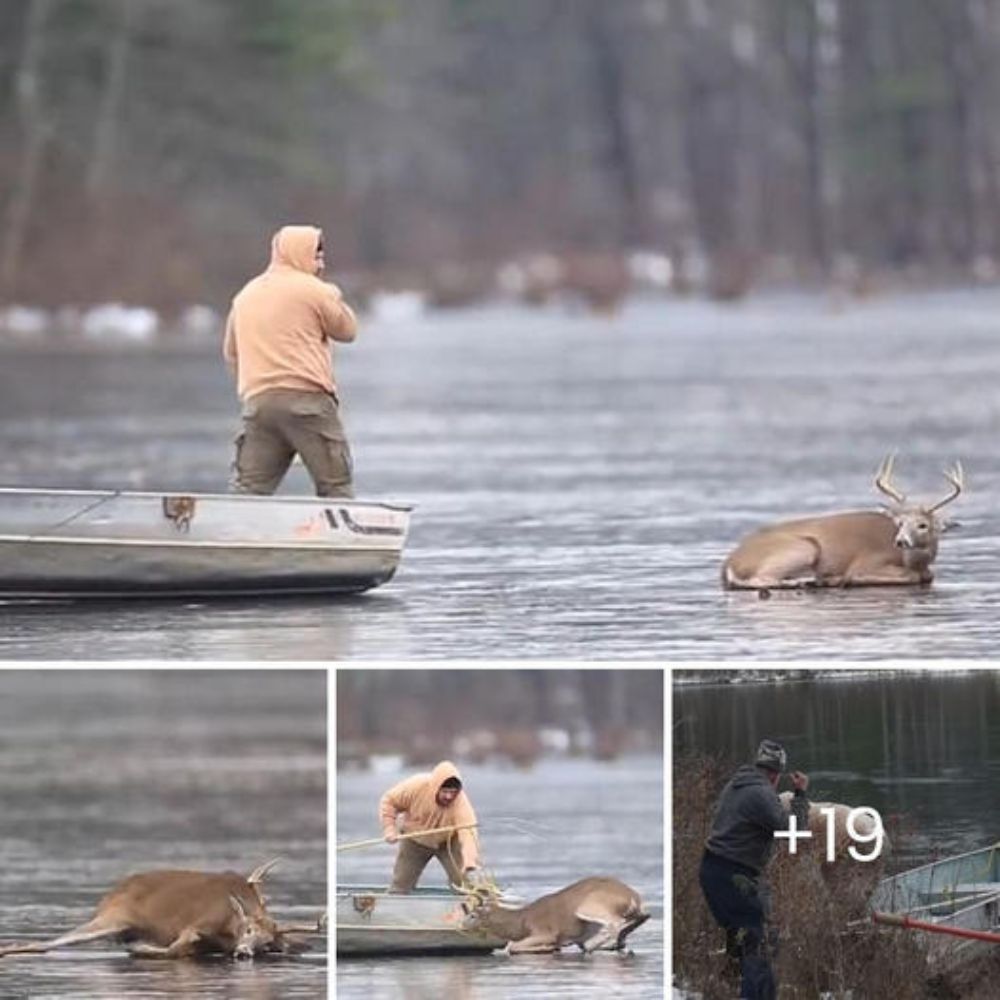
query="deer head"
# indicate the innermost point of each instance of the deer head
(917, 525)
(256, 931)
(487, 915)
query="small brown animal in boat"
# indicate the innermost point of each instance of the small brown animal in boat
(592, 913)
(180, 510)
(895, 546)
(183, 914)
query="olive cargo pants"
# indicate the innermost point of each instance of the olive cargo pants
(412, 860)
(280, 423)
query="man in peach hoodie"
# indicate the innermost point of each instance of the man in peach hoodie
(429, 802)
(277, 343)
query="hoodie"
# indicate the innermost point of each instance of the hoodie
(415, 800)
(746, 816)
(281, 323)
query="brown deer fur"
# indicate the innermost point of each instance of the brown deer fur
(593, 913)
(180, 914)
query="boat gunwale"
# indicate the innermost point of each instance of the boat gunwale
(940, 861)
(9, 597)
(408, 929)
(945, 918)
(889, 884)
(241, 497)
(173, 543)
(423, 893)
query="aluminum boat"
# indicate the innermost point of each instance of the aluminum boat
(114, 544)
(426, 921)
(954, 904)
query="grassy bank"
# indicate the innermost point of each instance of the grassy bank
(827, 947)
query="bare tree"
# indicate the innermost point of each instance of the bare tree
(106, 131)
(36, 130)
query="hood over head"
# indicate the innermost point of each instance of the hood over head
(442, 773)
(295, 247)
(416, 799)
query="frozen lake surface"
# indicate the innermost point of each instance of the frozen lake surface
(578, 480)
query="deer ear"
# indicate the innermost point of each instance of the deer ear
(947, 524)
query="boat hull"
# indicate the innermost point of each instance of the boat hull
(371, 921)
(116, 545)
(961, 893)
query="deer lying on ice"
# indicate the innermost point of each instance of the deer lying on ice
(853, 549)
(181, 914)
(592, 913)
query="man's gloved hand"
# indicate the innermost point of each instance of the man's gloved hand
(475, 877)
(391, 836)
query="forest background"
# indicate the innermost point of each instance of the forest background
(149, 147)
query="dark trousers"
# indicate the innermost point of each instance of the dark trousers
(738, 903)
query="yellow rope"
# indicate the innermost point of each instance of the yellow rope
(375, 841)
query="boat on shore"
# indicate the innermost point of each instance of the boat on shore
(427, 921)
(77, 544)
(953, 903)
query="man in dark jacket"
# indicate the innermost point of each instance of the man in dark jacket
(737, 851)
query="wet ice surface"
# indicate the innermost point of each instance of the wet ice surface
(109, 772)
(578, 480)
(541, 830)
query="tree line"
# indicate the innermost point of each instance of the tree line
(150, 146)
(405, 707)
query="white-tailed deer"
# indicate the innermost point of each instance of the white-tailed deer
(895, 546)
(182, 914)
(592, 913)
(864, 826)
(847, 878)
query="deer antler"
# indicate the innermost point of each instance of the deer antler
(956, 476)
(257, 875)
(883, 480)
(238, 906)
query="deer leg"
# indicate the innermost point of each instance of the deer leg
(93, 930)
(600, 929)
(601, 938)
(183, 946)
(886, 576)
(629, 926)
(532, 944)
(792, 565)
